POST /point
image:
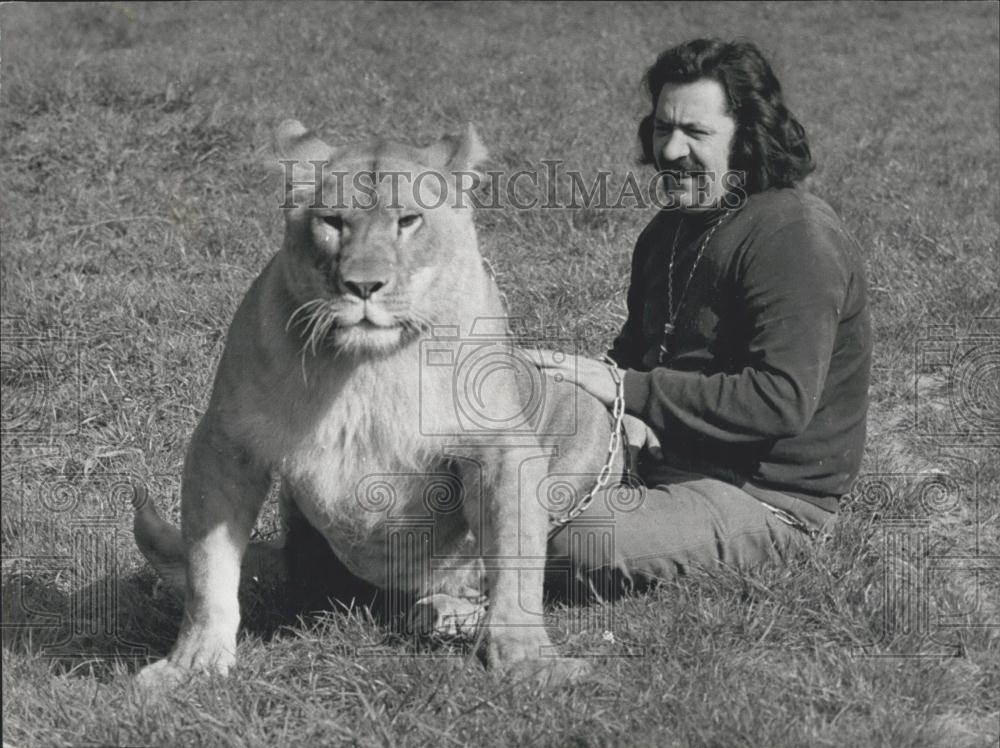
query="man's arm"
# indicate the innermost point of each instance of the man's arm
(795, 286)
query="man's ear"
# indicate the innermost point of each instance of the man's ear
(464, 152)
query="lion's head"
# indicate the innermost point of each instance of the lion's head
(379, 238)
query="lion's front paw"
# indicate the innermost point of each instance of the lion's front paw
(192, 654)
(161, 674)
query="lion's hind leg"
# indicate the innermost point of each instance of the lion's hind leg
(444, 616)
(159, 542)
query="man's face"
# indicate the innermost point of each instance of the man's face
(693, 132)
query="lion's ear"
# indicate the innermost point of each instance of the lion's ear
(293, 142)
(470, 153)
(464, 152)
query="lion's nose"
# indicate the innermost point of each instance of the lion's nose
(363, 289)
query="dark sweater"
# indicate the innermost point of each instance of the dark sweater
(767, 377)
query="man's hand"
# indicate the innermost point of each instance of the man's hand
(586, 373)
(594, 377)
(641, 436)
(640, 440)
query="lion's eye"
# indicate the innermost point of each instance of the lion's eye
(335, 222)
(409, 220)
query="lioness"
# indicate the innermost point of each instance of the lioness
(327, 381)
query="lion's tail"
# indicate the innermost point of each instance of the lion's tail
(158, 540)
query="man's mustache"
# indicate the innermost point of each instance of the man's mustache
(681, 168)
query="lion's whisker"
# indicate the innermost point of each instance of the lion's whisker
(416, 322)
(307, 309)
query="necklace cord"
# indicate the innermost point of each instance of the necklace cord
(670, 326)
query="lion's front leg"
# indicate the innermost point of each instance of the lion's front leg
(515, 526)
(221, 494)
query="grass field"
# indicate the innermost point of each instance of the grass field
(137, 206)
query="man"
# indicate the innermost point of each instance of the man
(747, 347)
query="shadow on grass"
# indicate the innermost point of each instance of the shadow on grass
(95, 630)
(119, 623)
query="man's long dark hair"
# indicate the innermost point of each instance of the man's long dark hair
(769, 145)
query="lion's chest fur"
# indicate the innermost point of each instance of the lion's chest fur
(359, 449)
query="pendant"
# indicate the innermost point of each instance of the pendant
(668, 331)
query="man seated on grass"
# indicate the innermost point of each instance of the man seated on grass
(747, 347)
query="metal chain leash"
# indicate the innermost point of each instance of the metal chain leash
(614, 445)
(791, 521)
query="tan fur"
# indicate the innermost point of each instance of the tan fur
(335, 395)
